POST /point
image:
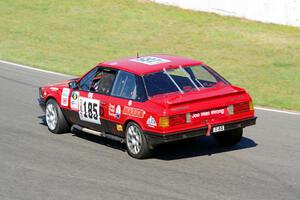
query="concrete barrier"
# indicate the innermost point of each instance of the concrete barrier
(285, 12)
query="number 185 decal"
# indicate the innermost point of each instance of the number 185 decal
(89, 110)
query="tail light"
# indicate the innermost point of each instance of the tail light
(241, 107)
(251, 106)
(177, 119)
(164, 122)
(174, 120)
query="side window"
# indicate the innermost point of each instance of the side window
(103, 81)
(129, 86)
(99, 80)
(86, 82)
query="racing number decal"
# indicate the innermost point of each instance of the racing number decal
(89, 110)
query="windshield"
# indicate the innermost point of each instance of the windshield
(182, 80)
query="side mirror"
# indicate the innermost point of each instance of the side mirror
(73, 84)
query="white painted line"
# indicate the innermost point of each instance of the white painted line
(278, 111)
(60, 74)
(32, 68)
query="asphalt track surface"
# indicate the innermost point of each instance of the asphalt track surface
(35, 164)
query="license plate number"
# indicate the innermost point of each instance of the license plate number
(218, 129)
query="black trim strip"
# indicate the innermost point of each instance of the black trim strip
(155, 138)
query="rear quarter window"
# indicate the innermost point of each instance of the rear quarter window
(159, 83)
(129, 86)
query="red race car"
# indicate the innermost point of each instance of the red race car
(149, 100)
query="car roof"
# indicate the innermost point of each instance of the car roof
(150, 63)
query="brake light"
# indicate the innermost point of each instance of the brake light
(241, 107)
(174, 120)
(177, 119)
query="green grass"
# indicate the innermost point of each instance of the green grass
(72, 36)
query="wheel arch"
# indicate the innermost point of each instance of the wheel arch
(131, 120)
(55, 98)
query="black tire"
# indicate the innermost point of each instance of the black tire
(145, 151)
(229, 138)
(62, 126)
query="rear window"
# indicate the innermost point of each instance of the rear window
(182, 80)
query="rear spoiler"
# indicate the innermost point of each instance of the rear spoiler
(196, 96)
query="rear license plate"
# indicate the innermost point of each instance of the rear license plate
(218, 129)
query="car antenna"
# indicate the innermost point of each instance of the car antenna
(137, 54)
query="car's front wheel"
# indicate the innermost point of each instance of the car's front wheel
(55, 119)
(229, 138)
(136, 142)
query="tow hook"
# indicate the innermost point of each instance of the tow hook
(208, 129)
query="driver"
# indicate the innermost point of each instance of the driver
(104, 84)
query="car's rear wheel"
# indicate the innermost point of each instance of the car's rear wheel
(229, 138)
(55, 119)
(136, 142)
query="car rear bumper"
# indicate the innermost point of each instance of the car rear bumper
(155, 138)
(42, 104)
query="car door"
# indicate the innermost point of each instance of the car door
(89, 99)
(126, 100)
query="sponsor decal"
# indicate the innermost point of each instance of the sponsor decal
(89, 110)
(150, 60)
(129, 103)
(119, 127)
(111, 110)
(151, 122)
(90, 95)
(74, 100)
(118, 112)
(134, 112)
(65, 97)
(114, 111)
(208, 113)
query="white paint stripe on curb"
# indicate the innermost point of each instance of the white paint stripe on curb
(32, 68)
(60, 74)
(278, 111)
